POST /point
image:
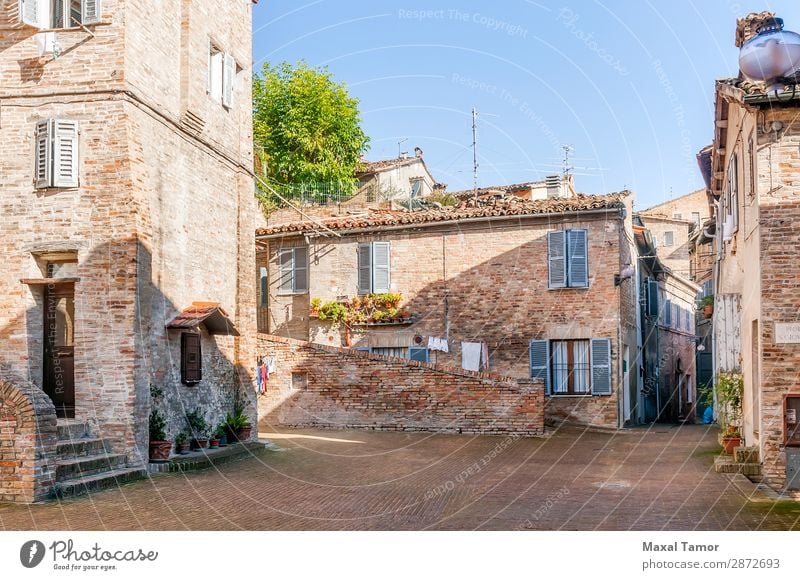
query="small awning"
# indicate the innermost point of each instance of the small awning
(48, 281)
(211, 314)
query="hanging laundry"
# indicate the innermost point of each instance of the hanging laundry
(259, 380)
(439, 344)
(485, 356)
(471, 354)
(272, 365)
(264, 378)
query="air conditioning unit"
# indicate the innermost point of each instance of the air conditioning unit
(727, 228)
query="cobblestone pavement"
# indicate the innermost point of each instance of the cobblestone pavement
(641, 479)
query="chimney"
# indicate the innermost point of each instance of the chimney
(417, 152)
(553, 183)
(747, 27)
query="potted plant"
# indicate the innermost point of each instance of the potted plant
(159, 446)
(238, 425)
(182, 443)
(708, 306)
(198, 428)
(213, 441)
(730, 390)
(221, 433)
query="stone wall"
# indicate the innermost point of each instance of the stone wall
(323, 386)
(27, 442)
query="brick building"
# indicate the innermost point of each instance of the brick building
(127, 199)
(753, 176)
(521, 288)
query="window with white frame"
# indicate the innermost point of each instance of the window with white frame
(669, 239)
(293, 264)
(732, 198)
(56, 153)
(374, 268)
(46, 14)
(221, 75)
(572, 367)
(677, 216)
(568, 259)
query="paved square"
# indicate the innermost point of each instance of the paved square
(642, 479)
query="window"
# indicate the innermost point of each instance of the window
(56, 153)
(416, 188)
(373, 267)
(572, 367)
(395, 351)
(668, 313)
(221, 75)
(669, 239)
(191, 359)
(299, 381)
(568, 260)
(751, 154)
(677, 216)
(263, 286)
(293, 264)
(732, 199)
(696, 218)
(60, 13)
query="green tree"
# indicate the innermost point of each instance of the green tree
(307, 129)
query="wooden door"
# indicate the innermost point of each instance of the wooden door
(59, 348)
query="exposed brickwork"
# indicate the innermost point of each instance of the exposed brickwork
(341, 388)
(27, 442)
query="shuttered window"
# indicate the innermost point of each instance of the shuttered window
(228, 76)
(652, 298)
(568, 259)
(221, 75)
(191, 359)
(420, 354)
(56, 153)
(668, 313)
(90, 11)
(263, 286)
(374, 268)
(30, 12)
(293, 268)
(572, 367)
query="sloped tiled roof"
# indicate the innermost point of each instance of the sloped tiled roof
(211, 314)
(510, 206)
(468, 193)
(366, 167)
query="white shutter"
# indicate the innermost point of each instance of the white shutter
(578, 271)
(228, 74)
(30, 12)
(65, 153)
(380, 267)
(540, 362)
(286, 281)
(90, 11)
(44, 152)
(557, 258)
(300, 270)
(601, 366)
(364, 268)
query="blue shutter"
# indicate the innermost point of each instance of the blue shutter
(380, 267)
(419, 354)
(557, 259)
(601, 366)
(540, 362)
(578, 270)
(652, 298)
(668, 313)
(364, 268)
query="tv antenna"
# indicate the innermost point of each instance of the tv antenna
(400, 148)
(566, 167)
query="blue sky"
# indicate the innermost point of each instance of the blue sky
(629, 88)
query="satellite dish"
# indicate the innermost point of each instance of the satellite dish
(771, 54)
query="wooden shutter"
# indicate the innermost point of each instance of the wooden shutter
(286, 262)
(30, 13)
(578, 270)
(263, 279)
(601, 366)
(364, 268)
(668, 313)
(191, 359)
(540, 362)
(65, 153)
(300, 270)
(652, 298)
(228, 74)
(381, 255)
(419, 354)
(44, 152)
(557, 259)
(90, 11)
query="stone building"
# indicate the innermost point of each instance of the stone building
(526, 289)
(127, 212)
(753, 176)
(398, 181)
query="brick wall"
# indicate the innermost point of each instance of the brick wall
(27, 442)
(324, 386)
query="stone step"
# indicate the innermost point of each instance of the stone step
(70, 448)
(726, 464)
(98, 481)
(72, 429)
(77, 467)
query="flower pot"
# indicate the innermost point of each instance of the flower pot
(160, 450)
(183, 448)
(708, 311)
(729, 443)
(223, 441)
(213, 443)
(243, 434)
(198, 444)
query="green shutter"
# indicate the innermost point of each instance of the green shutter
(652, 298)
(540, 362)
(557, 259)
(601, 366)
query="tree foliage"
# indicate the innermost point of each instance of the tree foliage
(307, 128)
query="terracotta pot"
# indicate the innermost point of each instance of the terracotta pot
(199, 444)
(183, 448)
(159, 450)
(348, 336)
(243, 434)
(731, 443)
(708, 310)
(213, 443)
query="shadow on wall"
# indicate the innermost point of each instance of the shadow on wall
(121, 347)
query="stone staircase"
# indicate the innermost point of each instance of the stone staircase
(744, 460)
(85, 463)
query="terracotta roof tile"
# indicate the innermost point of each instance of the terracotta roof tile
(467, 193)
(367, 167)
(487, 207)
(211, 314)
